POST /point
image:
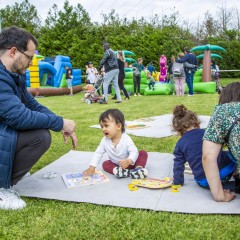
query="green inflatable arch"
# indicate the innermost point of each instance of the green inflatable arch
(166, 88)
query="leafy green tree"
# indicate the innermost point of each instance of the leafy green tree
(70, 32)
(67, 32)
(230, 60)
(23, 15)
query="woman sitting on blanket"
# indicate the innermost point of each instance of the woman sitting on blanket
(125, 160)
(223, 130)
(189, 149)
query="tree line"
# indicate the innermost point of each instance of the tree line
(69, 31)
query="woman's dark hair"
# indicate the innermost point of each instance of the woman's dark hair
(16, 37)
(183, 119)
(115, 114)
(231, 93)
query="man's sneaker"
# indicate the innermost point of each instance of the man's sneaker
(10, 200)
(139, 173)
(121, 172)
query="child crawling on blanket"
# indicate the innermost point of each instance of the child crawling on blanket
(189, 149)
(124, 158)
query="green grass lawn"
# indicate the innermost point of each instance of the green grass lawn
(48, 219)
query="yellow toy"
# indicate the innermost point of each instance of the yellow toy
(153, 183)
(175, 188)
(132, 187)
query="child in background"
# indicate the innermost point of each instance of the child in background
(151, 68)
(215, 74)
(170, 74)
(151, 81)
(91, 73)
(125, 160)
(189, 149)
(69, 78)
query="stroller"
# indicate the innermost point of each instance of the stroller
(91, 91)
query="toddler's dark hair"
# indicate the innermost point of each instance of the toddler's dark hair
(183, 119)
(116, 114)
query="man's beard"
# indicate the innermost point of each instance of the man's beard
(18, 67)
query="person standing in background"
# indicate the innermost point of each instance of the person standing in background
(69, 78)
(121, 75)
(216, 74)
(170, 73)
(137, 69)
(110, 64)
(189, 72)
(179, 76)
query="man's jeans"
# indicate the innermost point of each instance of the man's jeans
(31, 145)
(189, 80)
(111, 76)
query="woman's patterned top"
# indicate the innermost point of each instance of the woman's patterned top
(222, 119)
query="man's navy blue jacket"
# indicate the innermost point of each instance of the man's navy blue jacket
(18, 111)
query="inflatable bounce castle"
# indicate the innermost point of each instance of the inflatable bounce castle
(163, 88)
(49, 77)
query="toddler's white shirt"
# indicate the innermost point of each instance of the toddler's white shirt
(124, 149)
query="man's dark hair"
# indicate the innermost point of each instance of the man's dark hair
(106, 46)
(186, 49)
(231, 93)
(16, 37)
(115, 114)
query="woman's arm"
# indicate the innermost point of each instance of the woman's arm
(209, 160)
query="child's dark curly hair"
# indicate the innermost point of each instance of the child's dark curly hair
(116, 114)
(184, 119)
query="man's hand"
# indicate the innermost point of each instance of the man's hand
(89, 171)
(124, 163)
(72, 136)
(69, 126)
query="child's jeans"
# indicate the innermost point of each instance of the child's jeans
(151, 84)
(108, 165)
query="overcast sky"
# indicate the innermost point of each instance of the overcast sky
(190, 10)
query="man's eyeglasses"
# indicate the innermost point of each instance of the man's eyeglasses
(29, 57)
